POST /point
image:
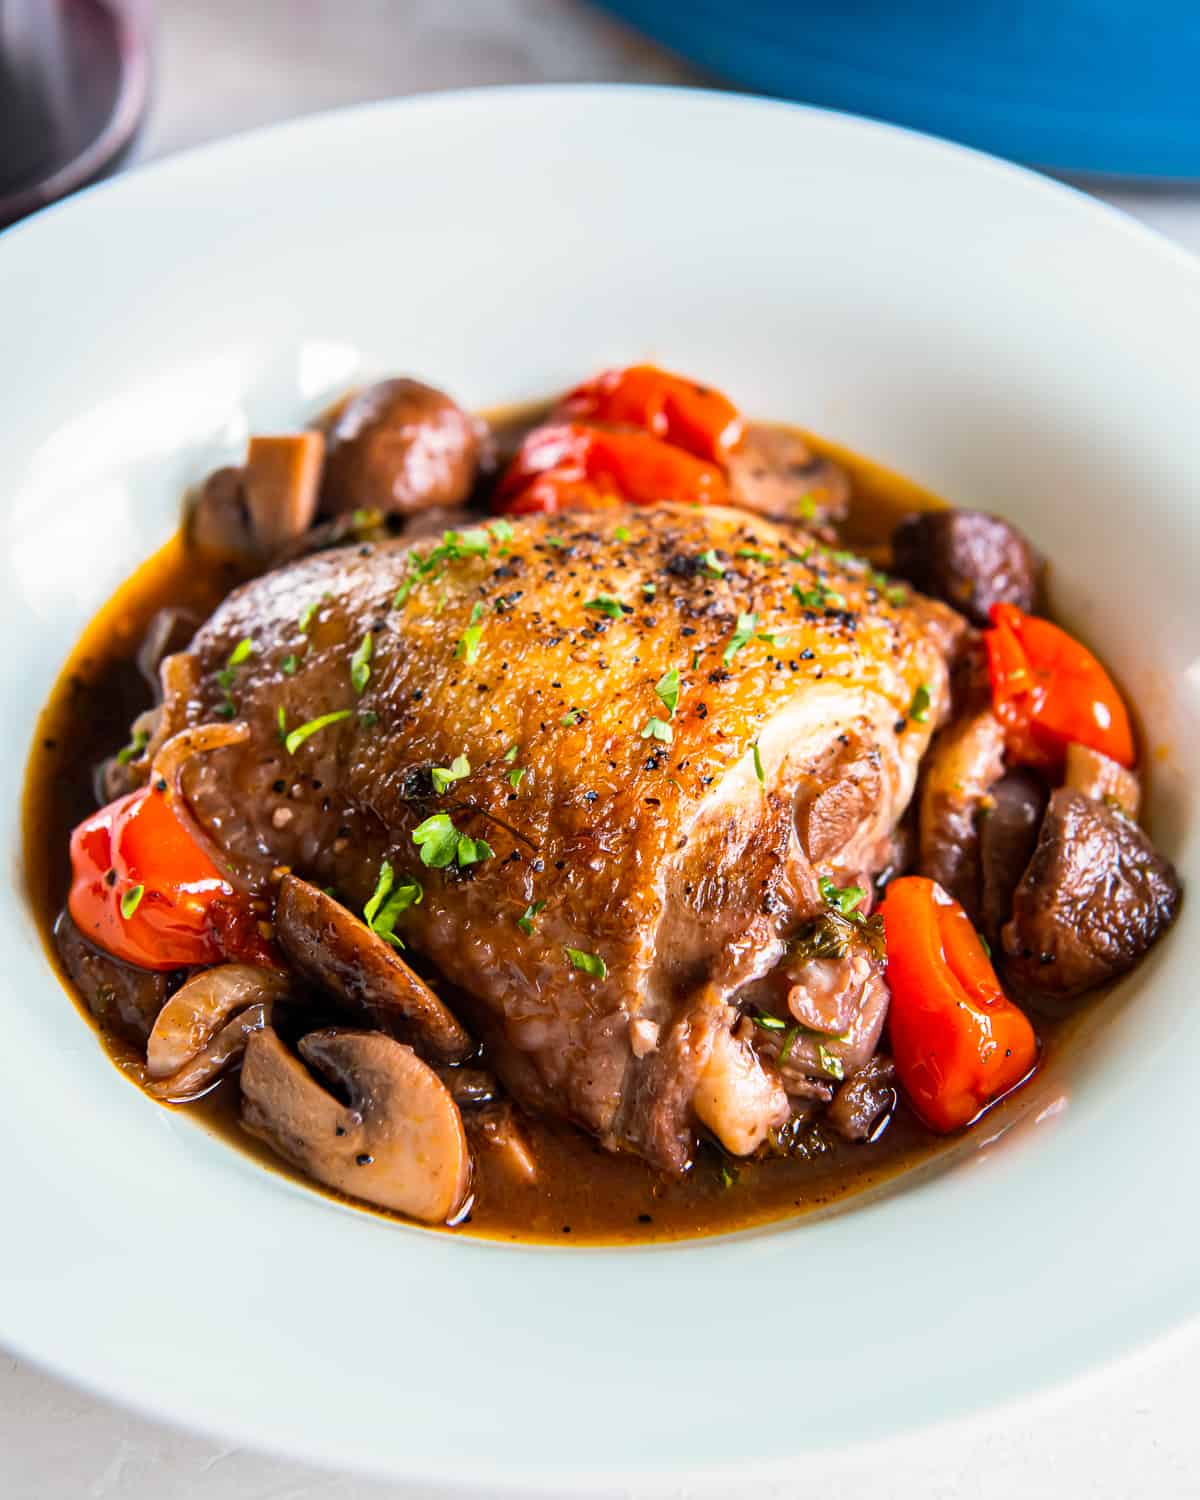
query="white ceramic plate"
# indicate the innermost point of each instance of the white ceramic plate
(1001, 339)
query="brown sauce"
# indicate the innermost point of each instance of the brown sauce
(583, 1193)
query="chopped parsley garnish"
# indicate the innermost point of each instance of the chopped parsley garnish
(453, 546)
(746, 626)
(297, 737)
(657, 729)
(755, 555)
(554, 541)
(845, 900)
(443, 776)
(607, 605)
(307, 616)
(236, 657)
(134, 748)
(131, 900)
(281, 720)
(572, 716)
(525, 921)
(769, 1023)
(830, 1065)
(515, 777)
(667, 688)
(712, 564)
(369, 719)
(621, 533)
(806, 507)
(819, 597)
(831, 934)
(441, 844)
(758, 765)
(588, 963)
(360, 663)
(510, 755)
(728, 1175)
(388, 901)
(695, 660)
(468, 643)
(789, 1042)
(289, 664)
(649, 589)
(919, 708)
(896, 595)
(501, 529)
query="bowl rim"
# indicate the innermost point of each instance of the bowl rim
(145, 180)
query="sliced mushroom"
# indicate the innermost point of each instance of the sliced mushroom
(217, 519)
(1008, 834)
(199, 1074)
(965, 761)
(398, 1143)
(495, 1127)
(1095, 775)
(170, 630)
(197, 1010)
(282, 482)
(969, 559)
(333, 948)
(123, 999)
(470, 1088)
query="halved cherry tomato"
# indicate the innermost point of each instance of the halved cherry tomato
(957, 1039)
(690, 416)
(144, 890)
(568, 466)
(1048, 690)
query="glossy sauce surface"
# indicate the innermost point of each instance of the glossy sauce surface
(583, 1194)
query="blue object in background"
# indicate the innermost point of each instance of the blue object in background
(1101, 86)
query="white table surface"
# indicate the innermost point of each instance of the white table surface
(227, 65)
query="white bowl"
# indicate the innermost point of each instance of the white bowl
(1006, 342)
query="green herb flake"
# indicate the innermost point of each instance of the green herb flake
(769, 1023)
(919, 708)
(134, 748)
(657, 729)
(443, 776)
(712, 564)
(131, 900)
(515, 777)
(728, 1175)
(437, 839)
(554, 541)
(369, 719)
(695, 661)
(510, 755)
(609, 606)
(308, 616)
(667, 688)
(470, 851)
(468, 643)
(758, 765)
(819, 596)
(588, 963)
(649, 589)
(845, 901)
(388, 901)
(621, 533)
(831, 1066)
(501, 529)
(360, 664)
(897, 595)
(289, 664)
(755, 555)
(281, 720)
(572, 716)
(746, 626)
(985, 945)
(297, 737)
(525, 920)
(789, 1042)
(243, 649)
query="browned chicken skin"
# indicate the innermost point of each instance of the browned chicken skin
(662, 848)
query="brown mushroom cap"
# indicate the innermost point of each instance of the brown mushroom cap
(398, 1143)
(328, 944)
(400, 446)
(197, 1010)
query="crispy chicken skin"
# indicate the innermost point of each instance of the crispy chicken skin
(657, 849)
